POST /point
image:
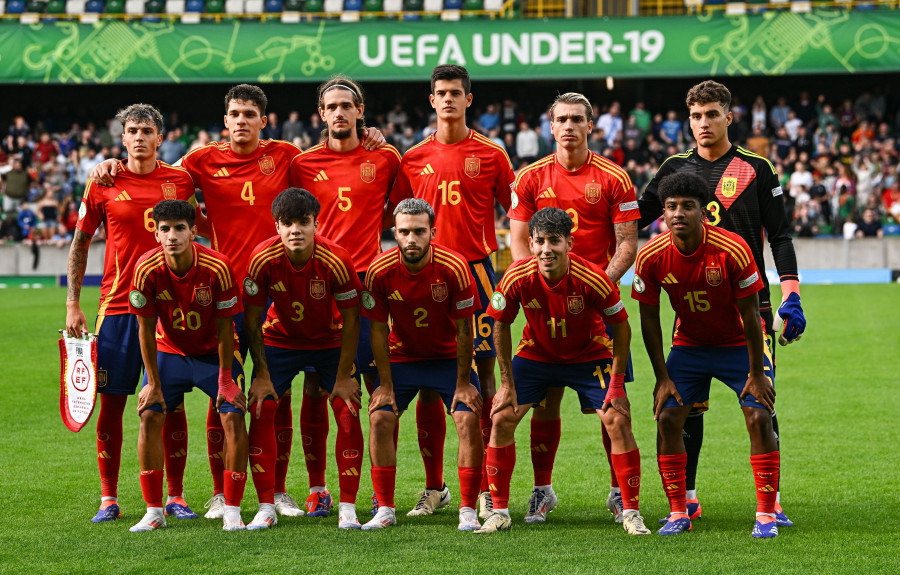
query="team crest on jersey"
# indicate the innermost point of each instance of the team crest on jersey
(729, 187)
(473, 167)
(169, 191)
(203, 295)
(267, 165)
(714, 275)
(317, 288)
(575, 304)
(367, 172)
(592, 192)
(439, 292)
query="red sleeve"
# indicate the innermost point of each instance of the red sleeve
(347, 294)
(142, 299)
(226, 298)
(523, 206)
(463, 300)
(644, 287)
(402, 188)
(623, 204)
(92, 212)
(505, 304)
(613, 309)
(256, 287)
(374, 300)
(295, 175)
(505, 178)
(747, 280)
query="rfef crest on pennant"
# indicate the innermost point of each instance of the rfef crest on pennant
(473, 167)
(317, 288)
(592, 192)
(367, 172)
(203, 295)
(168, 190)
(267, 165)
(439, 292)
(575, 304)
(714, 275)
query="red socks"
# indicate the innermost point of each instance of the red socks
(314, 430)
(383, 482)
(348, 450)
(500, 464)
(215, 446)
(284, 436)
(234, 487)
(544, 443)
(671, 470)
(109, 442)
(627, 467)
(431, 422)
(151, 487)
(487, 425)
(175, 444)
(469, 486)
(607, 445)
(765, 475)
(263, 450)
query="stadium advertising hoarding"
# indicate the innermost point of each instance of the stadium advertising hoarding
(771, 44)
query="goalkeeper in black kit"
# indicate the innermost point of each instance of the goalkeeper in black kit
(747, 199)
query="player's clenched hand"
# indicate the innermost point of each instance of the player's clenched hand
(348, 391)
(373, 139)
(506, 396)
(240, 402)
(382, 397)
(661, 393)
(76, 324)
(620, 404)
(149, 396)
(467, 394)
(761, 388)
(260, 389)
(103, 172)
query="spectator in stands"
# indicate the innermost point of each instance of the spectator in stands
(800, 183)
(803, 225)
(739, 130)
(510, 117)
(28, 220)
(847, 119)
(611, 123)
(758, 114)
(758, 143)
(48, 208)
(632, 130)
(784, 148)
(806, 110)
(407, 139)
(398, 116)
(201, 140)
(17, 182)
(10, 231)
(489, 120)
(45, 151)
(292, 130)
(670, 130)
(890, 201)
(65, 144)
(527, 146)
(869, 226)
(779, 114)
(494, 136)
(172, 148)
(87, 163)
(272, 130)
(792, 125)
(19, 127)
(509, 142)
(641, 117)
(314, 128)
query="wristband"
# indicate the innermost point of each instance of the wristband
(616, 388)
(788, 287)
(227, 388)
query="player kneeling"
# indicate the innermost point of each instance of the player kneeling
(190, 290)
(566, 300)
(712, 282)
(313, 322)
(429, 294)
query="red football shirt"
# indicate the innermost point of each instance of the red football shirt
(304, 312)
(422, 306)
(564, 322)
(352, 188)
(187, 307)
(238, 190)
(461, 182)
(702, 286)
(596, 196)
(127, 210)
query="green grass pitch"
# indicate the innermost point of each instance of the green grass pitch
(837, 404)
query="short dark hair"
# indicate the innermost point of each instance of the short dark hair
(140, 113)
(247, 93)
(342, 82)
(451, 72)
(414, 207)
(683, 185)
(707, 92)
(553, 221)
(174, 211)
(295, 204)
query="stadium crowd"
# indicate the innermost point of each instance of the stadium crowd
(837, 161)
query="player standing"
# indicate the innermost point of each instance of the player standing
(745, 198)
(185, 298)
(599, 197)
(461, 174)
(566, 301)
(429, 295)
(352, 185)
(712, 283)
(125, 208)
(313, 321)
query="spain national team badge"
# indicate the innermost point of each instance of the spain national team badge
(713, 275)
(439, 292)
(575, 304)
(267, 165)
(592, 192)
(367, 172)
(473, 167)
(169, 191)
(729, 187)
(317, 288)
(202, 295)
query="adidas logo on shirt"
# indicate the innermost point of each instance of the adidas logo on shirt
(396, 296)
(123, 196)
(164, 295)
(670, 279)
(533, 304)
(547, 194)
(321, 176)
(428, 170)
(278, 287)
(222, 173)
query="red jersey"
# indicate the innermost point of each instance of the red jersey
(597, 195)
(422, 306)
(238, 190)
(461, 182)
(352, 188)
(564, 322)
(127, 210)
(702, 286)
(304, 312)
(187, 307)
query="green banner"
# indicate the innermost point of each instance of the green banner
(771, 44)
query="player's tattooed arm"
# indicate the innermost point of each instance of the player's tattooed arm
(651, 331)
(626, 250)
(506, 393)
(76, 323)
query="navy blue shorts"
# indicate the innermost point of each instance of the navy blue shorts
(180, 374)
(285, 364)
(590, 380)
(437, 375)
(693, 368)
(365, 361)
(119, 360)
(243, 340)
(485, 282)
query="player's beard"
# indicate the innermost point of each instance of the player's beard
(417, 258)
(340, 134)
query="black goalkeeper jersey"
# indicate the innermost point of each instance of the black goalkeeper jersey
(746, 198)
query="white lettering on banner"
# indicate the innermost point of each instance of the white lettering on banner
(478, 54)
(452, 52)
(426, 45)
(401, 50)
(551, 41)
(571, 48)
(364, 57)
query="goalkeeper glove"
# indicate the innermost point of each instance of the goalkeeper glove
(790, 315)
